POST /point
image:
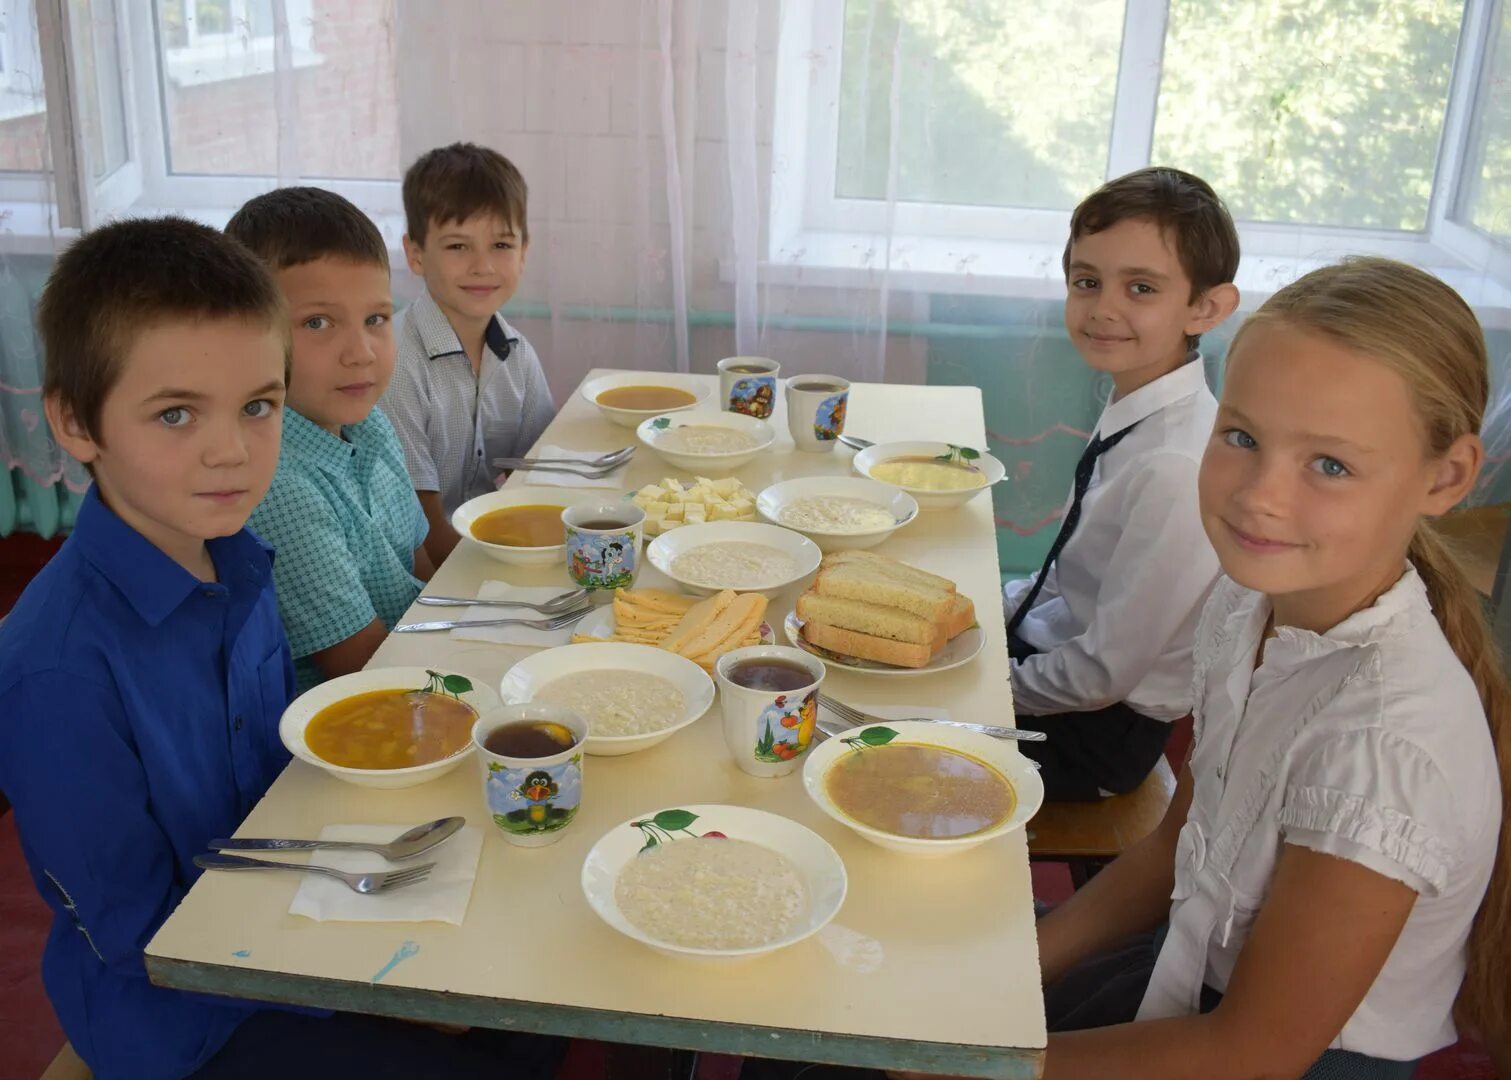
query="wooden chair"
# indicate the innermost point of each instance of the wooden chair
(67, 1066)
(1089, 835)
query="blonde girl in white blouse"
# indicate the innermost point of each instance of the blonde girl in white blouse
(1325, 862)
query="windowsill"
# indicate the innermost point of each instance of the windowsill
(202, 64)
(1032, 271)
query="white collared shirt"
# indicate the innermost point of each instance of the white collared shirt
(1115, 619)
(451, 423)
(1368, 743)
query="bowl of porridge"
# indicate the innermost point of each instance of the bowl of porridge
(634, 696)
(838, 513)
(745, 556)
(706, 441)
(714, 881)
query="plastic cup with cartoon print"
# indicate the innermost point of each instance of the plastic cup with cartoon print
(747, 384)
(531, 759)
(603, 546)
(816, 406)
(768, 725)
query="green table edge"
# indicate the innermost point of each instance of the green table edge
(866, 1051)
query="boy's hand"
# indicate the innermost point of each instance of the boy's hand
(442, 538)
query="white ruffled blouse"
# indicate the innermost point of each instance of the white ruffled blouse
(1368, 743)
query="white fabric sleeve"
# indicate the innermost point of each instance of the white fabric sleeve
(1159, 574)
(406, 403)
(1374, 798)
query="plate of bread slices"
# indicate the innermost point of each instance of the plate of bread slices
(702, 630)
(868, 613)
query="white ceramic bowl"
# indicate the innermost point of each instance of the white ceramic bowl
(303, 709)
(819, 865)
(464, 515)
(631, 417)
(664, 550)
(902, 506)
(524, 680)
(652, 433)
(999, 754)
(992, 469)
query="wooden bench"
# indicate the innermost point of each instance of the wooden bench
(67, 1066)
(1089, 835)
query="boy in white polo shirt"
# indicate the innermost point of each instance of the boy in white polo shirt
(1101, 637)
(467, 388)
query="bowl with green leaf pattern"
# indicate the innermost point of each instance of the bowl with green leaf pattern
(706, 441)
(387, 727)
(939, 475)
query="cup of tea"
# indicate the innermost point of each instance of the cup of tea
(816, 410)
(531, 757)
(769, 695)
(747, 384)
(603, 544)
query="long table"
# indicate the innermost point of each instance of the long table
(931, 964)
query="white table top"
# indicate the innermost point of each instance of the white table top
(930, 964)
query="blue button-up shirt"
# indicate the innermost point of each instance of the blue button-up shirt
(139, 715)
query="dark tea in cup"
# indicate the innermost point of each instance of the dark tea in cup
(529, 739)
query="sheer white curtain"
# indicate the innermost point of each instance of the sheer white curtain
(873, 188)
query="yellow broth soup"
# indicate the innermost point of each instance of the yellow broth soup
(924, 792)
(390, 729)
(521, 526)
(646, 397)
(927, 474)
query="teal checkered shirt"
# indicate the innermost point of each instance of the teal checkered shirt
(345, 523)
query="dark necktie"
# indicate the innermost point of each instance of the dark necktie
(1094, 449)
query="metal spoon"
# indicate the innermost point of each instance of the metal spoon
(855, 443)
(545, 607)
(406, 845)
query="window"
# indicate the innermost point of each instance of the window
(966, 130)
(23, 104)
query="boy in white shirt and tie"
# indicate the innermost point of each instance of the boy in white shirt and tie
(1101, 636)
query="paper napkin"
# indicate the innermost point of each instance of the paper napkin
(441, 897)
(513, 635)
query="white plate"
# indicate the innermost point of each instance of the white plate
(665, 549)
(600, 622)
(524, 680)
(632, 417)
(304, 707)
(991, 469)
(959, 652)
(1000, 755)
(464, 515)
(902, 506)
(818, 864)
(652, 433)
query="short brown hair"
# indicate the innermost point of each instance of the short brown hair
(451, 183)
(113, 284)
(291, 226)
(1206, 243)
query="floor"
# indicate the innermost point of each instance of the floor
(32, 1037)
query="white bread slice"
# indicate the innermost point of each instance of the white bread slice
(882, 564)
(849, 579)
(961, 617)
(866, 646)
(891, 623)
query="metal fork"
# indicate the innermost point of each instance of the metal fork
(604, 461)
(855, 716)
(367, 884)
(556, 622)
(590, 472)
(554, 606)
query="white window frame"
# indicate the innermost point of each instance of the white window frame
(816, 236)
(235, 53)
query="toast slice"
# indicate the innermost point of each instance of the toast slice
(890, 567)
(867, 646)
(961, 617)
(891, 623)
(875, 583)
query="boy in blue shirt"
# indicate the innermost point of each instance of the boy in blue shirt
(143, 671)
(469, 388)
(341, 511)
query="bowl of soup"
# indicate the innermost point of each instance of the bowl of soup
(387, 727)
(923, 788)
(940, 476)
(629, 397)
(704, 441)
(524, 530)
